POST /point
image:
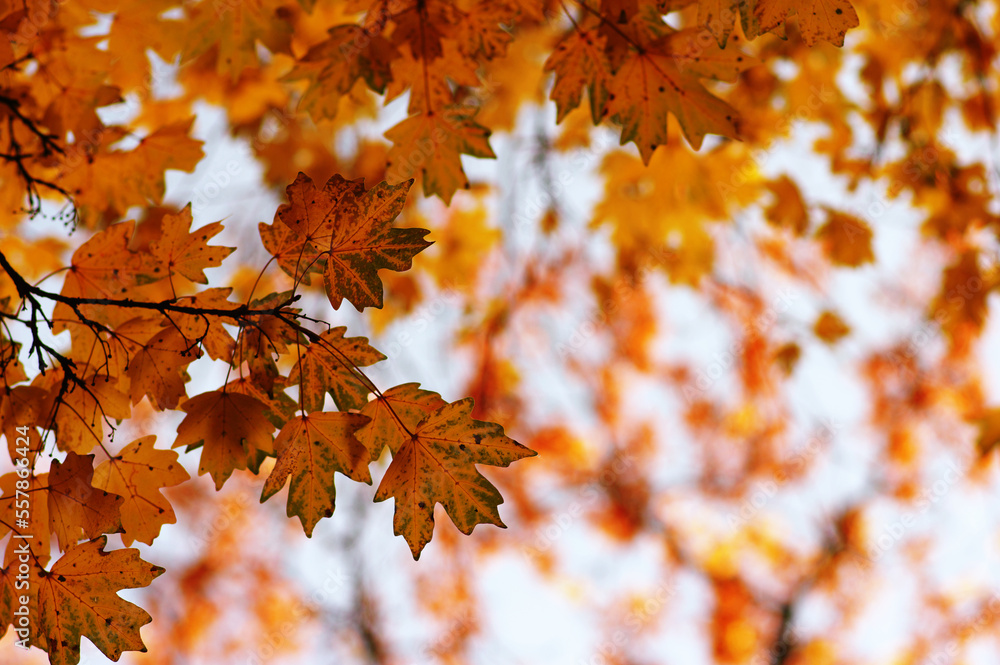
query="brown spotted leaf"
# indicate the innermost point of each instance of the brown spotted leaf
(78, 598)
(310, 450)
(328, 365)
(402, 406)
(437, 464)
(656, 81)
(85, 410)
(351, 231)
(579, 61)
(819, 20)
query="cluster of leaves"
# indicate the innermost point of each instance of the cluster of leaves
(136, 310)
(133, 338)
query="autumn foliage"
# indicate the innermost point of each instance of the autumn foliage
(672, 173)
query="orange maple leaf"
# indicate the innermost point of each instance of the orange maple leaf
(431, 144)
(579, 60)
(77, 509)
(137, 473)
(328, 365)
(310, 449)
(351, 231)
(231, 427)
(78, 597)
(396, 410)
(657, 80)
(846, 239)
(819, 20)
(102, 267)
(187, 252)
(333, 66)
(435, 463)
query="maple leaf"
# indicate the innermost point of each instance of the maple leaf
(308, 221)
(395, 411)
(328, 365)
(231, 427)
(466, 67)
(78, 597)
(77, 509)
(294, 252)
(690, 54)
(279, 407)
(310, 449)
(789, 209)
(988, 425)
(354, 231)
(961, 305)
(655, 81)
(185, 252)
(23, 406)
(137, 473)
(430, 144)
(436, 464)
(333, 66)
(131, 34)
(111, 181)
(157, 367)
(579, 60)
(480, 30)
(719, 17)
(431, 82)
(819, 20)
(235, 27)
